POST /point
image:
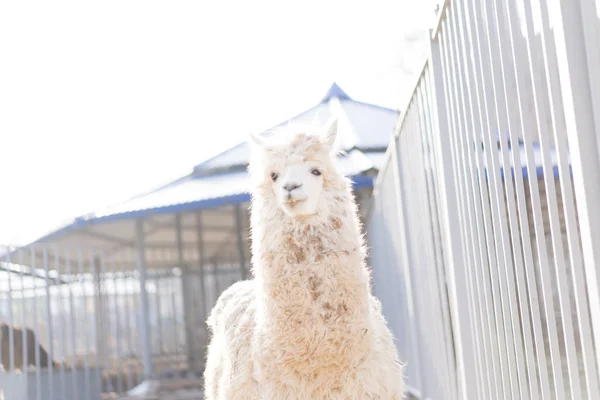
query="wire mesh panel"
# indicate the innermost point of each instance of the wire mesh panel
(70, 327)
(491, 201)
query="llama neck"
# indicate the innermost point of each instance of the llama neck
(311, 269)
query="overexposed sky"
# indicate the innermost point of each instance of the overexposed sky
(102, 100)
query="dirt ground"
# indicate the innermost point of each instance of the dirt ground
(167, 389)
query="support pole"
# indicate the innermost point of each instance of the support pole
(185, 294)
(575, 34)
(240, 240)
(145, 333)
(100, 341)
(202, 293)
(454, 259)
(202, 262)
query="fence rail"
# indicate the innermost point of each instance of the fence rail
(485, 225)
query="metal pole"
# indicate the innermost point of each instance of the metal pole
(453, 251)
(100, 348)
(578, 66)
(409, 261)
(202, 261)
(185, 293)
(240, 240)
(145, 309)
(50, 327)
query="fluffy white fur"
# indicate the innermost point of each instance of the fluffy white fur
(306, 326)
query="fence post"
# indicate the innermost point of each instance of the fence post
(582, 117)
(409, 262)
(185, 295)
(145, 331)
(451, 235)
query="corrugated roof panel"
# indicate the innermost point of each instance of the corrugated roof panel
(189, 190)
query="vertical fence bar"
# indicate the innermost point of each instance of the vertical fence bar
(61, 322)
(460, 125)
(157, 295)
(429, 226)
(11, 330)
(36, 326)
(129, 287)
(144, 329)
(117, 293)
(173, 303)
(3, 262)
(566, 189)
(578, 74)
(507, 93)
(98, 295)
(407, 262)
(487, 244)
(239, 223)
(50, 356)
(185, 289)
(25, 356)
(71, 322)
(467, 77)
(85, 328)
(202, 261)
(453, 257)
(431, 144)
(495, 94)
(540, 98)
(514, 47)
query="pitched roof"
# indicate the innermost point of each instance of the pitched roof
(362, 126)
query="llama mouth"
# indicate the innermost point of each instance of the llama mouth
(293, 202)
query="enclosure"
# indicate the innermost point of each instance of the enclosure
(111, 317)
(484, 229)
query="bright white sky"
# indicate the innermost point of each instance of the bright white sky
(102, 100)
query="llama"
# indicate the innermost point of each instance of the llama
(306, 326)
(17, 350)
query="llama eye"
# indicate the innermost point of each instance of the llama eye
(274, 176)
(315, 172)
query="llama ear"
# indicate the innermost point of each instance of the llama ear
(331, 131)
(255, 141)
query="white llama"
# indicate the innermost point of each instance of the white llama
(306, 326)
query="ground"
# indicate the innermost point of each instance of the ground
(169, 389)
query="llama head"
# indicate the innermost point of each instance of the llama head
(297, 174)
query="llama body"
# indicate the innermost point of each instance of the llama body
(306, 326)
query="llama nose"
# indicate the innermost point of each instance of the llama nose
(291, 186)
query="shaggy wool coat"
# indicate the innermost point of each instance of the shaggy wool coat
(306, 326)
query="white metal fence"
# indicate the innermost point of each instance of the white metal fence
(71, 321)
(485, 224)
